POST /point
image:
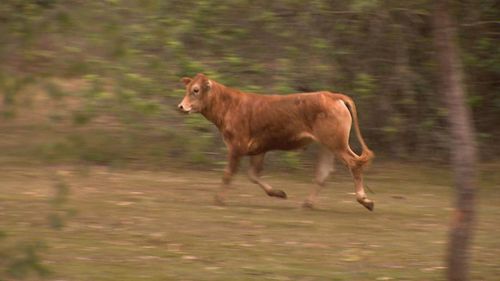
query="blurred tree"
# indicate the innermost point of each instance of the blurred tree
(463, 146)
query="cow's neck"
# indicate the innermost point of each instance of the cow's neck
(220, 101)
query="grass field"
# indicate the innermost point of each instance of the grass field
(128, 224)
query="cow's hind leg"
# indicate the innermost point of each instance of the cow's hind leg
(256, 165)
(231, 168)
(356, 167)
(323, 170)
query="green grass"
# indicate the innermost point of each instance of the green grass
(125, 224)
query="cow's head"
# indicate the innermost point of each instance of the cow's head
(197, 90)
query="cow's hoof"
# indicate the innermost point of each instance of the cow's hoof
(219, 200)
(277, 193)
(308, 205)
(369, 204)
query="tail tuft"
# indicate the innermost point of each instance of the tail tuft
(366, 157)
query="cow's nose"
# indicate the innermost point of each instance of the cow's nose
(180, 106)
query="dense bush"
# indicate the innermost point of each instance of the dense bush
(129, 56)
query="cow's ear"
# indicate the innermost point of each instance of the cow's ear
(186, 80)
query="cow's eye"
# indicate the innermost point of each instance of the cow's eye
(196, 91)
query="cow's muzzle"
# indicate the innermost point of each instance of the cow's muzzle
(183, 109)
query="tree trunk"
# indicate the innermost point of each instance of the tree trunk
(463, 147)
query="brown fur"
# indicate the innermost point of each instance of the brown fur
(252, 124)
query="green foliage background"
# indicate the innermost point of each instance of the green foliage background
(111, 71)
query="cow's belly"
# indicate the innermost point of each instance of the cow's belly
(293, 142)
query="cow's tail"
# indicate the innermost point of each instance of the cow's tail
(366, 154)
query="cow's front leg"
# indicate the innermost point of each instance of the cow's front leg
(256, 165)
(231, 168)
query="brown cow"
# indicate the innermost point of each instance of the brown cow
(253, 124)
